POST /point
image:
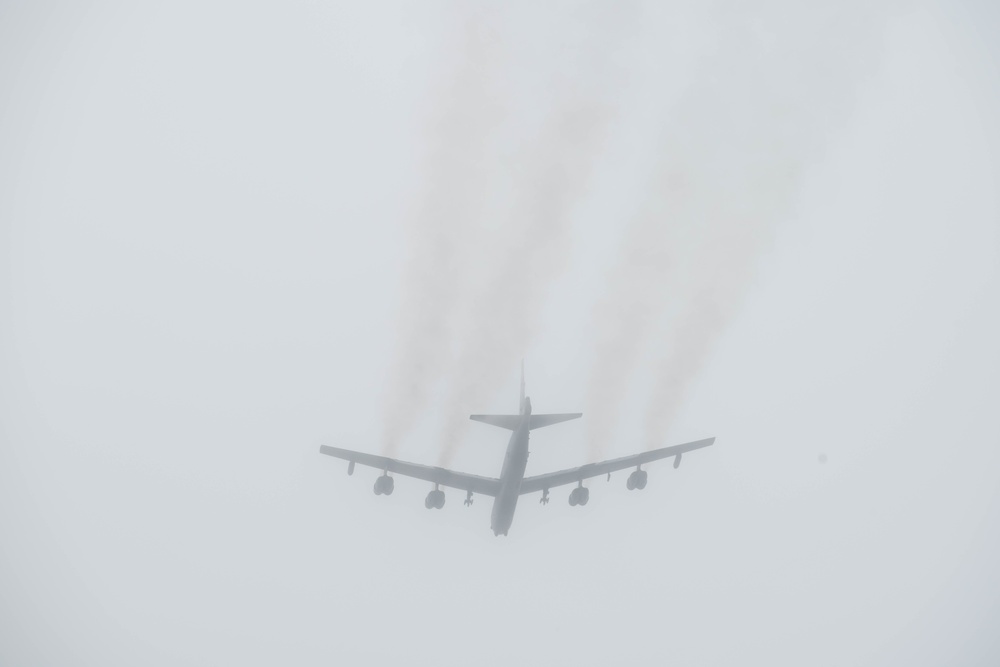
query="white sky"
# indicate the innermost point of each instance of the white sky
(205, 220)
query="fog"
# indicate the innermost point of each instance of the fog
(232, 233)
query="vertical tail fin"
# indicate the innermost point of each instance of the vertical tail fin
(521, 404)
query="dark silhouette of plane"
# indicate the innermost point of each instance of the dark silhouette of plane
(512, 483)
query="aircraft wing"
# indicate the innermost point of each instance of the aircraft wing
(487, 486)
(574, 475)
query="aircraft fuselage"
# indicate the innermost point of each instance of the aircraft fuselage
(514, 463)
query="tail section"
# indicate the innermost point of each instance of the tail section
(512, 422)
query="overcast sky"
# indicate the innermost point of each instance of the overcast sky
(232, 233)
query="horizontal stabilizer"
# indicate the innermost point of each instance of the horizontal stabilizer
(509, 422)
(512, 422)
(538, 421)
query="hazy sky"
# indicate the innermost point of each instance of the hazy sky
(220, 226)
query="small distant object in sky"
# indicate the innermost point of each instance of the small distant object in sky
(512, 483)
(822, 457)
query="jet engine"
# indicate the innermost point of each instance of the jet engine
(384, 485)
(434, 500)
(579, 496)
(637, 480)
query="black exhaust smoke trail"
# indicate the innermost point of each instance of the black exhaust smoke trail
(442, 231)
(534, 241)
(760, 106)
(629, 311)
(773, 97)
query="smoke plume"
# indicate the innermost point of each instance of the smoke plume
(760, 108)
(441, 233)
(531, 245)
(789, 79)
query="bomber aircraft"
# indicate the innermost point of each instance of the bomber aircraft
(512, 483)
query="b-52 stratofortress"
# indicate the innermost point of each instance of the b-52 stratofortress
(512, 483)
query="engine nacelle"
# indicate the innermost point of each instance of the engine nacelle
(384, 485)
(434, 500)
(579, 496)
(637, 480)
